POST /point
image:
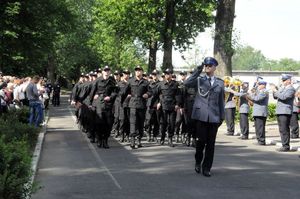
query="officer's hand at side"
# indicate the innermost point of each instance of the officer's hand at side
(107, 98)
(158, 106)
(96, 97)
(145, 96)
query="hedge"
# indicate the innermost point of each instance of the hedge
(17, 141)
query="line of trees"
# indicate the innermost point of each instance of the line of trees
(64, 37)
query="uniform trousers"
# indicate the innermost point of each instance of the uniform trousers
(260, 129)
(137, 119)
(124, 116)
(104, 121)
(284, 129)
(294, 125)
(205, 139)
(152, 122)
(180, 121)
(167, 123)
(229, 119)
(244, 124)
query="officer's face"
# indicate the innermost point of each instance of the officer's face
(138, 73)
(182, 77)
(210, 68)
(168, 76)
(106, 73)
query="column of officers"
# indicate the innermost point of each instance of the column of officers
(287, 109)
(131, 106)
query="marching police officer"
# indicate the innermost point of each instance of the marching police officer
(138, 89)
(260, 99)
(124, 112)
(180, 116)
(189, 95)
(208, 111)
(56, 94)
(170, 99)
(117, 106)
(284, 109)
(152, 114)
(102, 98)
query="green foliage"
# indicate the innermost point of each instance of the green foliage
(15, 169)
(248, 58)
(17, 140)
(271, 113)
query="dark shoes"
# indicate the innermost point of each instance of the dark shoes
(197, 168)
(260, 143)
(206, 173)
(283, 149)
(244, 137)
(132, 143)
(170, 142)
(229, 134)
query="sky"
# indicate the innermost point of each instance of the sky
(271, 26)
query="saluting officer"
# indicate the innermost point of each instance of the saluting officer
(170, 99)
(208, 111)
(284, 109)
(102, 98)
(138, 90)
(260, 99)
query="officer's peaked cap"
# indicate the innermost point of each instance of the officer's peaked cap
(210, 61)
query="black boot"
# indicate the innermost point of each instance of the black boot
(177, 138)
(126, 139)
(139, 143)
(105, 143)
(154, 139)
(188, 141)
(99, 143)
(132, 142)
(162, 141)
(122, 138)
(170, 142)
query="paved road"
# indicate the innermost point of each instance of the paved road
(71, 167)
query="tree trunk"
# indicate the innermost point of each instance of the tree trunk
(51, 69)
(168, 34)
(223, 50)
(152, 56)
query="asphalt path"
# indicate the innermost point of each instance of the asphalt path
(71, 167)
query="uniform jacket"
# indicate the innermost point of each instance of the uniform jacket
(209, 102)
(103, 88)
(169, 93)
(244, 106)
(285, 99)
(260, 103)
(136, 88)
(153, 100)
(230, 102)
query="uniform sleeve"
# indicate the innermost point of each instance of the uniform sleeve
(222, 103)
(191, 81)
(259, 97)
(286, 94)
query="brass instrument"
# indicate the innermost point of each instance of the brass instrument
(235, 85)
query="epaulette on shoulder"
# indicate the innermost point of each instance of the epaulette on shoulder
(201, 76)
(218, 78)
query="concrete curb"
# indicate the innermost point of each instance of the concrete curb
(37, 153)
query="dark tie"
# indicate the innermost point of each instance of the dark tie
(209, 81)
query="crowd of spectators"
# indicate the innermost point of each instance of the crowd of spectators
(33, 92)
